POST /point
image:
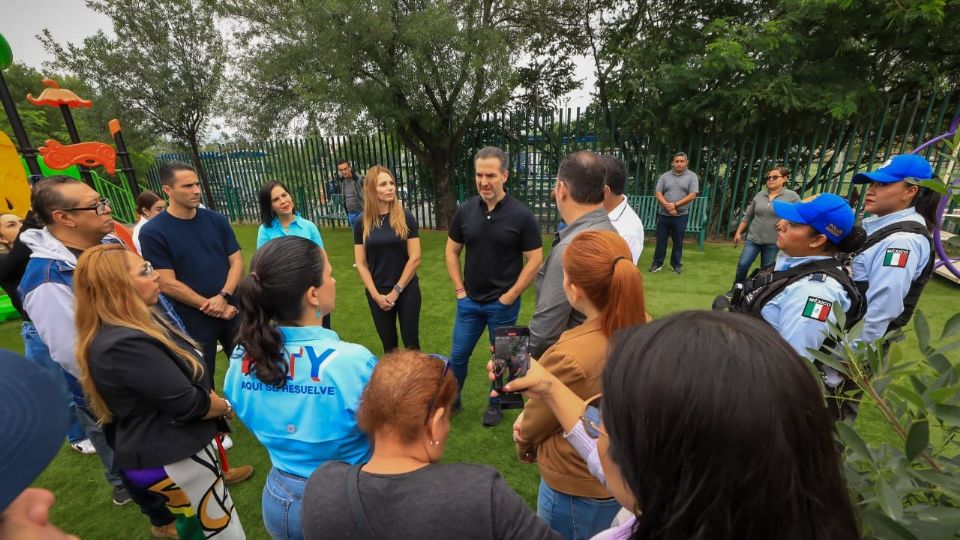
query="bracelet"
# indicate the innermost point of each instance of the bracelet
(229, 407)
(460, 290)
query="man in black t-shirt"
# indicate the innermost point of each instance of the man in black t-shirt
(500, 233)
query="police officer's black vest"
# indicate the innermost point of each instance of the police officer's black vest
(765, 284)
(916, 287)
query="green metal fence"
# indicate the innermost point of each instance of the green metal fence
(822, 158)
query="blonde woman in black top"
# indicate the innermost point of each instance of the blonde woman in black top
(386, 241)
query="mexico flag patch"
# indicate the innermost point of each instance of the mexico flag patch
(816, 308)
(896, 257)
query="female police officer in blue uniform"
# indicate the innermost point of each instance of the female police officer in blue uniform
(810, 235)
(897, 259)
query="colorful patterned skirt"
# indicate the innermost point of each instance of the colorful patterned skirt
(196, 493)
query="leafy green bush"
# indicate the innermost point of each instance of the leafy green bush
(909, 490)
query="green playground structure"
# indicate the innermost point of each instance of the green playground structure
(22, 165)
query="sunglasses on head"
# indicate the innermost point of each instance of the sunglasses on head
(590, 418)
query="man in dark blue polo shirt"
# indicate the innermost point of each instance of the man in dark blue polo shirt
(500, 234)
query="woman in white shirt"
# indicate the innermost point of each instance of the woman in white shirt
(149, 204)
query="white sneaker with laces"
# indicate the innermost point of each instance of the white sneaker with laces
(226, 441)
(84, 446)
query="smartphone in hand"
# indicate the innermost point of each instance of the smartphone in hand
(511, 360)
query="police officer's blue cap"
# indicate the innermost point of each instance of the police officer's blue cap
(827, 213)
(898, 169)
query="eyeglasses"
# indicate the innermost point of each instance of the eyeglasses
(147, 269)
(774, 177)
(100, 208)
(436, 392)
(590, 418)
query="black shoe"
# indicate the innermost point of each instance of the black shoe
(654, 268)
(678, 270)
(121, 496)
(493, 416)
(457, 407)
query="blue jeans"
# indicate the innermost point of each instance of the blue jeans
(37, 351)
(282, 502)
(670, 227)
(472, 317)
(352, 218)
(575, 518)
(768, 256)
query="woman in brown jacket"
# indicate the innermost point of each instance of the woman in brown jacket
(601, 281)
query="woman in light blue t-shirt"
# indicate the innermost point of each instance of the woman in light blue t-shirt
(278, 217)
(295, 384)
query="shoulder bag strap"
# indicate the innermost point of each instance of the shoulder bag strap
(360, 520)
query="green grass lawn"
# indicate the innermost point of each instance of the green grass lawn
(83, 498)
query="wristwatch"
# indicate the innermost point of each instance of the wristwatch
(229, 407)
(226, 296)
(398, 288)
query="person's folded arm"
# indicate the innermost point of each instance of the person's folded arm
(687, 199)
(145, 367)
(178, 290)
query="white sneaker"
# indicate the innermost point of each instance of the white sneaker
(84, 446)
(226, 441)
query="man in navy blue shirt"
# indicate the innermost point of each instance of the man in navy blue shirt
(198, 258)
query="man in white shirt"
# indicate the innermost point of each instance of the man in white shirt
(624, 219)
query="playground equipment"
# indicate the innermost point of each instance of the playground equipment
(945, 267)
(21, 165)
(14, 187)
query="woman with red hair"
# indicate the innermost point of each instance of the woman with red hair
(601, 281)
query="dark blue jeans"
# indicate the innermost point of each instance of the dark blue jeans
(35, 349)
(352, 218)
(670, 227)
(768, 256)
(471, 319)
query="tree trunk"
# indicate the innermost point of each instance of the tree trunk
(445, 203)
(202, 173)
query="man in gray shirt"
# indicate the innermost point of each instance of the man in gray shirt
(675, 190)
(579, 194)
(351, 186)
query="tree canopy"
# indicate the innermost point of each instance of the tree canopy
(426, 69)
(164, 66)
(738, 62)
